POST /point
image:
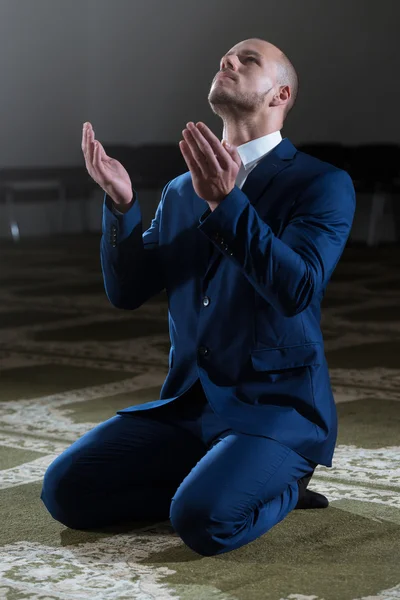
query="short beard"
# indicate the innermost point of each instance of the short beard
(237, 105)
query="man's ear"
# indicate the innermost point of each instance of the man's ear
(280, 96)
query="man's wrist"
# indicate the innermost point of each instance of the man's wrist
(122, 208)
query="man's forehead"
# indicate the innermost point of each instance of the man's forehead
(258, 47)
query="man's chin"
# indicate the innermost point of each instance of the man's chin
(219, 98)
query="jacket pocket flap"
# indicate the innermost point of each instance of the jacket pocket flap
(286, 357)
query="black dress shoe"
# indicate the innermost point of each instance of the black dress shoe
(308, 498)
(311, 499)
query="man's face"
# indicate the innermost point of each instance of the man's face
(253, 69)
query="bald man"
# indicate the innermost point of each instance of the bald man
(244, 243)
(266, 91)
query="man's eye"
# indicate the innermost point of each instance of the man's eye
(251, 58)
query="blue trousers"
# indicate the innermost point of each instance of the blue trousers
(220, 489)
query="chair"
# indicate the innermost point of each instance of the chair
(28, 183)
(334, 153)
(375, 169)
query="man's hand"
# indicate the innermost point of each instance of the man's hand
(213, 166)
(107, 172)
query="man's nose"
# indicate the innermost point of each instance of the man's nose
(229, 61)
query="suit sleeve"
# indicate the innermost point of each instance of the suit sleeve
(287, 271)
(130, 260)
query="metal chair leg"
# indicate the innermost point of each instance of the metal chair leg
(14, 229)
(375, 219)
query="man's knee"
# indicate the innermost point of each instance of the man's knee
(198, 528)
(57, 492)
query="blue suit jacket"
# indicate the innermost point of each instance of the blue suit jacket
(244, 286)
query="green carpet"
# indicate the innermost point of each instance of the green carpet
(69, 360)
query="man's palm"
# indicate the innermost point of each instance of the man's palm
(111, 176)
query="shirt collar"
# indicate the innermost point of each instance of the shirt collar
(252, 151)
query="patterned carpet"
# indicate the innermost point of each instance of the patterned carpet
(69, 360)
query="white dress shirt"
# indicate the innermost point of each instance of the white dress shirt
(252, 152)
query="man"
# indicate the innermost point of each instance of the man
(244, 243)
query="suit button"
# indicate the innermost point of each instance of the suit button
(203, 350)
(206, 301)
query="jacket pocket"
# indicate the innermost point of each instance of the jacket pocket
(287, 357)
